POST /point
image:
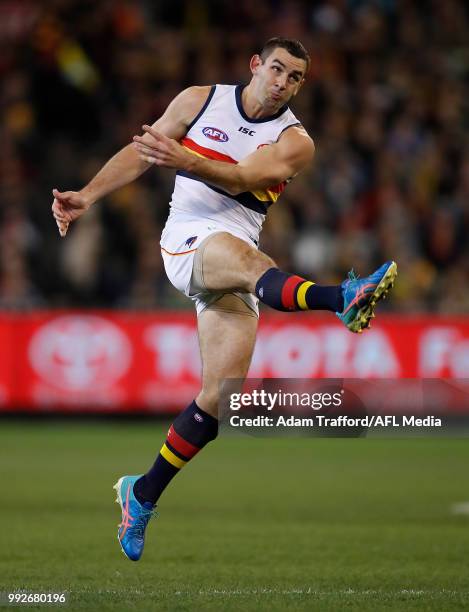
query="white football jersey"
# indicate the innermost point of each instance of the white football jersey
(222, 131)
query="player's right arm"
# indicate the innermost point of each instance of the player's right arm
(127, 165)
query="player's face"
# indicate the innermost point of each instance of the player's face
(278, 78)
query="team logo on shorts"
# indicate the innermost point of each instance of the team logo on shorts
(190, 241)
(215, 134)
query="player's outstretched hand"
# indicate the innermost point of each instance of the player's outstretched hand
(156, 148)
(67, 206)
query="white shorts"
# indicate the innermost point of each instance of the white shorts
(179, 243)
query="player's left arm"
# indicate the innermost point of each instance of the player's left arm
(268, 166)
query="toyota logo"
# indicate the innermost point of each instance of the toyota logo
(75, 353)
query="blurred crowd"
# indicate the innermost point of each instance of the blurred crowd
(386, 101)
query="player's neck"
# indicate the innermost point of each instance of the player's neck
(253, 107)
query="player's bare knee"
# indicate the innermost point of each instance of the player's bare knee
(255, 267)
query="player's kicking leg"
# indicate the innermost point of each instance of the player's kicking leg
(227, 332)
(231, 262)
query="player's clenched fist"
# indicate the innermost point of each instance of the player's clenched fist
(66, 207)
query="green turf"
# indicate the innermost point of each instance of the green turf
(250, 524)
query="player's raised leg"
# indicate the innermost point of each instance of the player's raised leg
(227, 332)
(231, 263)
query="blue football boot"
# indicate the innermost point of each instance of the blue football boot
(135, 517)
(362, 294)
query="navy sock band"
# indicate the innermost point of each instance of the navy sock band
(320, 297)
(196, 426)
(271, 286)
(189, 433)
(289, 292)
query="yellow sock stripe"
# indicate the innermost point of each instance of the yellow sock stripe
(171, 457)
(301, 294)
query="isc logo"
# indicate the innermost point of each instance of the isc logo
(215, 134)
(245, 130)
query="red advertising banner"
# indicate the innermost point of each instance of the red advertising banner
(117, 361)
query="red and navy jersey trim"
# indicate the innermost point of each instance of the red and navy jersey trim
(246, 199)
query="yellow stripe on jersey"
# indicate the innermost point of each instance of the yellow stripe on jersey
(301, 294)
(171, 457)
(265, 195)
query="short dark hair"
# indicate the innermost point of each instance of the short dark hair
(294, 47)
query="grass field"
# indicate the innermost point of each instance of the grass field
(251, 524)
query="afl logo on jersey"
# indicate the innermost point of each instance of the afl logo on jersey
(215, 134)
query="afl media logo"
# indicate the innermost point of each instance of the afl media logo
(76, 353)
(215, 134)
